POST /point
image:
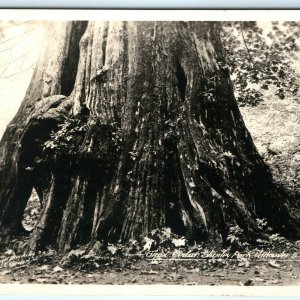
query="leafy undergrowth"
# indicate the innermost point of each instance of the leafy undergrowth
(160, 258)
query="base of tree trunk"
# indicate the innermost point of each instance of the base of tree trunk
(150, 137)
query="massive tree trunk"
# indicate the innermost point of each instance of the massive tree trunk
(131, 126)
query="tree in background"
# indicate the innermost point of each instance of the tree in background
(262, 58)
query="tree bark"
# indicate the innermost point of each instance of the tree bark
(54, 74)
(164, 143)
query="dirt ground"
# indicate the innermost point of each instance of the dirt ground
(137, 270)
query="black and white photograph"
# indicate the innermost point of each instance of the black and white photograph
(150, 151)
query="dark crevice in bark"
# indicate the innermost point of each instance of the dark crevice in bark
(181, 79)
(72, 58)
(85, 225)
(124, 69)
(180, 214)
(113, 214)
(174, 189)
(104, 43)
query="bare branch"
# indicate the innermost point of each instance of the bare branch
(25, 35)
(20, 72)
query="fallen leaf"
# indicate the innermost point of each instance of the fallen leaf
(9, 252)
(274, 264)
(244, 263)
(43, 268)
(192, 184)
(57, 269)
(112, 249)
(148, 245)
(260, 279)
(179, 242)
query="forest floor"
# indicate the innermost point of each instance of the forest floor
(185, 266)
(274, 126)
(161, 258)
(142, 272)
